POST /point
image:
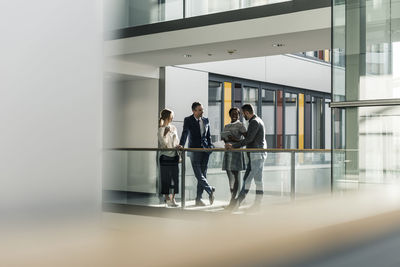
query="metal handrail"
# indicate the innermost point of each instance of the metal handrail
(225, 150)
(365, 103)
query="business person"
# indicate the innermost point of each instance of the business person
(255, 138)
(197, 128)
(169, 170)
(233, 162)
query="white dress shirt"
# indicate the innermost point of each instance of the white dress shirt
(201, 124)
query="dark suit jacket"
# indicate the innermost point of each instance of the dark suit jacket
(191, 129)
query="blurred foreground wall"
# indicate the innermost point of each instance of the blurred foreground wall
(50, 105)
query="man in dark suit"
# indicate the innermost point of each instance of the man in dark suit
(197, 128)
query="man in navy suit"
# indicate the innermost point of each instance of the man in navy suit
(198, 129)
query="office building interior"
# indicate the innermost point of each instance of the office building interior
(84, 87)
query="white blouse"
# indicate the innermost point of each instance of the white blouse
(170, 140)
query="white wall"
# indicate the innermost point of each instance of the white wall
(131, 113)
(182, 88)
(130, 121)
(50, 106)
(283, 69)
(299, 72)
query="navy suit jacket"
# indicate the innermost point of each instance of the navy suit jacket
(191, 129)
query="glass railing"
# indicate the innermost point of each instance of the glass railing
(132, 176)
(120, 14)
(204, 7)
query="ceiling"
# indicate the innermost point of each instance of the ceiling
(245, 48)
(297, 32)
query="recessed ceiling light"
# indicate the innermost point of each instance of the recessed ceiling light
(231, 51)
(187, 55)
(278, 45)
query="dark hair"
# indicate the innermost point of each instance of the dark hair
(195, 105)
(165, 114)
(232, 109)
(248, 107)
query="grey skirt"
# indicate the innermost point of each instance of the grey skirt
(233, 161)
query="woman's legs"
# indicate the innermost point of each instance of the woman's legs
(233, 177)
(235, 184)
(175, 177)
(165, 178)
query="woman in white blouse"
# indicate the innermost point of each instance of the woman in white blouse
(168, 138)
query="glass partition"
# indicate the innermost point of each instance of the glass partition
(317, 122)
(268, 115)
(250, 96)
(366, 35)
(215, 109)
(132, 177)
(120, 14)
(313, 173)
(291, 120)
(204, 7)
(372, 154)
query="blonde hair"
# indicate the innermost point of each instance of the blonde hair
(165, 114)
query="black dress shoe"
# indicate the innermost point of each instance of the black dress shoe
(200, 203)
(212, 196)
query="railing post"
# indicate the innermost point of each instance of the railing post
(183, 169)
(292, 175)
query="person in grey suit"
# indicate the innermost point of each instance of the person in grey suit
(255, 138)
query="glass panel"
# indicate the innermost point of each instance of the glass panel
(250, 96)
(214, 109)
(313, 173)
(290, 120)
(372, 153)
(316, 122)
(279, 119)
(307, 123)
(369, 30)
(276, 180)
(128, 13)
(238, 95)
(328, 126)
(216, 177)
(132, 177)
(268, 116)
(203, 7)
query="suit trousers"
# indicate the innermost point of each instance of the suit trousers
(199, 162)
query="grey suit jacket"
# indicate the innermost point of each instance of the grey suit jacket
(255, 137)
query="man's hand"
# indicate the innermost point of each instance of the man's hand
(179, 147)
(228, 146)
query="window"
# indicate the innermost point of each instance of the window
(215, 109)
(290, 120)
(250, 96)
(268, 115)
